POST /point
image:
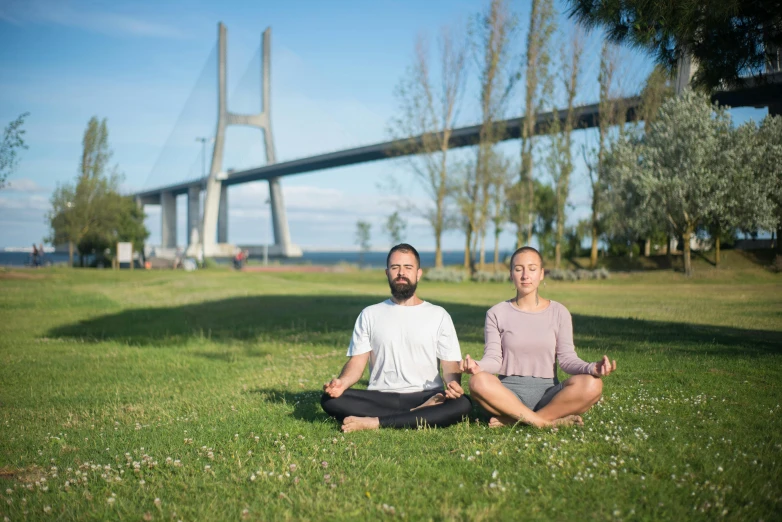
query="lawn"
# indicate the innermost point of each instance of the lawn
(195, 396)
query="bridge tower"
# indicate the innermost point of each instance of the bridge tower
(214, 232)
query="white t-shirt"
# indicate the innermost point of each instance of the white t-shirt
(405, 344)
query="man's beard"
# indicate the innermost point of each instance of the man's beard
(402, 290)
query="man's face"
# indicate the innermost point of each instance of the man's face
(403, 274)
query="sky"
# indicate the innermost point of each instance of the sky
(149, 68)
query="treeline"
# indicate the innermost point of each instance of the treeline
(528, 193)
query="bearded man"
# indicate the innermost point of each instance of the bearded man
(405, 340)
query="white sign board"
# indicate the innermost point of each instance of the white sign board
(124, 252)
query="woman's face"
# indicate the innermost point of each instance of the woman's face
(526, 272)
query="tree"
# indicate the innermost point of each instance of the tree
(363, 230)
(537, 92)
(396, 227)
(767, 163)
(426, 119)
(493, 30)
(13, 141)
(559, 160)
(727, 38)
(90, 214)
(681, 167)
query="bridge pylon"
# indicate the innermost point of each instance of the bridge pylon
(212, 241)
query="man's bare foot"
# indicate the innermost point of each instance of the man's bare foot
(360, 423)
(434, 400)
(501, 421)
(568, 420)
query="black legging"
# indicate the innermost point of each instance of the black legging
(393, 409)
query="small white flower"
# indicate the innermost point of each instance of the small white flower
(47, 509)
(157, 502)
(110, 501)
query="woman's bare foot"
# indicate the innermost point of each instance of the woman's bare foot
(360, 423)
(501, 421)
(434, 400)
(568, 420)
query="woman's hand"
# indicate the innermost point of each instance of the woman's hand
(469, 366)
(604, 367)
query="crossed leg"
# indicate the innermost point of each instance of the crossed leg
(579, 393)
(367, 410)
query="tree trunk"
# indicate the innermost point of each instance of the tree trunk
(687, 258)
(467, 253)
(496, 250)
(779, 246)
(593, 252)
(717, 251)
(647, 247)
(438, 250)
(70, 254)
(558, 243)
(81, 260)
(483, 250)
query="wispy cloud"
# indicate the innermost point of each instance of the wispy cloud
(81, 16)
(24, 185)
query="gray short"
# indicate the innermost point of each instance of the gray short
(534, 392)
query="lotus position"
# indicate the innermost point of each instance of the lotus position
(525, 338)
(405, 341)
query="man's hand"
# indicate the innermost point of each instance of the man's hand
(604, 367)
(470, 366)
(334, 388)
(453, 390)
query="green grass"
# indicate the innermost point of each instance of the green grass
(202, 390)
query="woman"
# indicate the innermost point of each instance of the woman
(525, 338)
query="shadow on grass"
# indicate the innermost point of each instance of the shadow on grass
(309, 321)
(306, 403)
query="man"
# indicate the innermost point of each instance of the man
(405, 341)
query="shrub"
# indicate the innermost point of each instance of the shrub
(482, 276)
(445, 275)
(577, 275)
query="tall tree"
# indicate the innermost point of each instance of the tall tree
(560, 160)
(13, 141)
(727, 38)
(536, 93)
(426, 117)
(493, 30)
(766, 162)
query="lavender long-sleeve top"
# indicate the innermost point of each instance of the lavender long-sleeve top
(530, 343)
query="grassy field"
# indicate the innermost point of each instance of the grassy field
(194, 396)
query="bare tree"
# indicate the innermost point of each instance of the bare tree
(426, 116)
(607, 117)
(537, 91)
(493, 32)
(560, 161)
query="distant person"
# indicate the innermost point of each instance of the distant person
(525, 339)
(405, 340)
(238, 259)
(34, 256)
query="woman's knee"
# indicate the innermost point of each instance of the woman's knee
(479, 383)
(591, 387)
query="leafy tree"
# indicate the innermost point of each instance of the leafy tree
(543, 224)
(90, 214)
(363, 230)
(727, 38)
(679, 170)
(396, 227)
(13, 140)
(767, 163)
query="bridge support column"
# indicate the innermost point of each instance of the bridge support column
(167, 220)
(193, 214)
(282, 238)
(222, 216)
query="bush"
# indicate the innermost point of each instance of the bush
(490, 277)
(445, 275)
(577, 275)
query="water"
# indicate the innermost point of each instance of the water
(374, 259)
